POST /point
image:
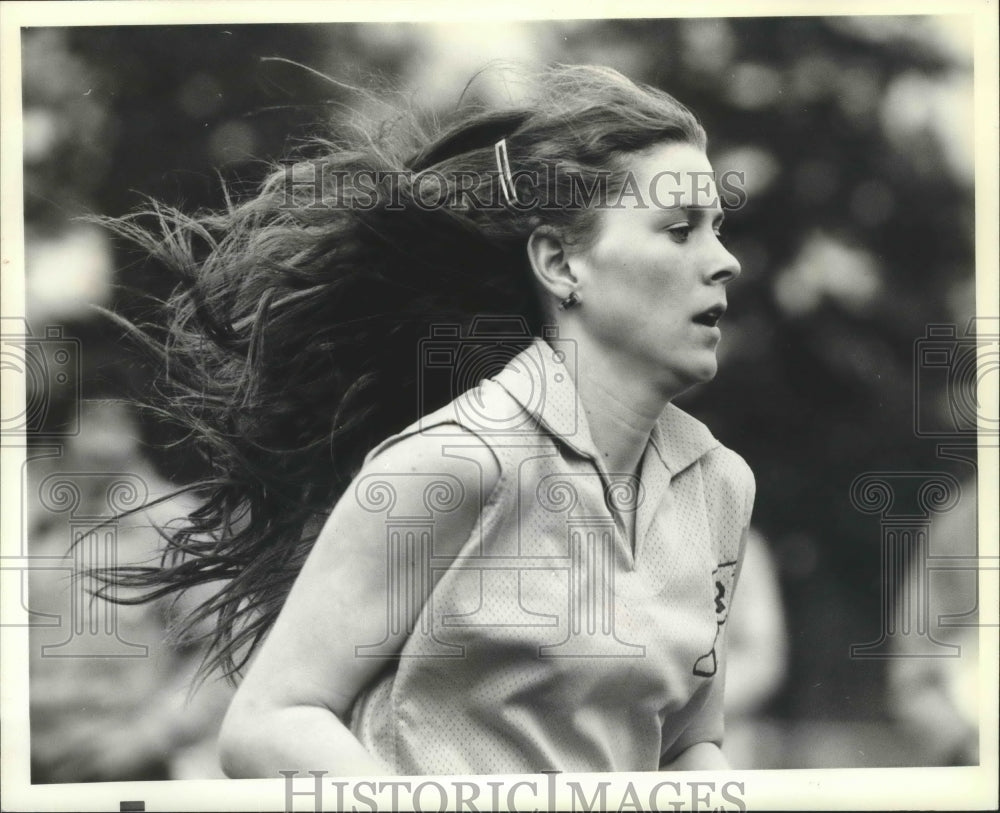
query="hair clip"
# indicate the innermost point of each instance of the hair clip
(503, 167)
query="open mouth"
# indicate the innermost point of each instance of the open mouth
(711, 317)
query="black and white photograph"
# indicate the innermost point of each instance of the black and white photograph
(432, 407)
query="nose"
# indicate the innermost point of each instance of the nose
(724, 267)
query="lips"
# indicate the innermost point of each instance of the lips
(710, 317)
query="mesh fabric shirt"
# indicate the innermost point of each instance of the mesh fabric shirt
(581, 627)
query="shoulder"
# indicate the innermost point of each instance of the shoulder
(443, 473)
(731, 466)
(475, 425)
(442, 453)
(687, 441)
(729, 484)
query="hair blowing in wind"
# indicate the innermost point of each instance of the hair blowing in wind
(291, 341)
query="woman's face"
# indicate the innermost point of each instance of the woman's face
(653, 282)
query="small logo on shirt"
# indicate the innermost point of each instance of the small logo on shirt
(707, 665)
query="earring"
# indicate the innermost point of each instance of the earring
(570, 301)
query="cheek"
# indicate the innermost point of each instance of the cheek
(642, 284)
(634, 278)
(637, 307)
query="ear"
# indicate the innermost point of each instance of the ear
(550, 261)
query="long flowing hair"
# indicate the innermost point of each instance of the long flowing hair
(292, 336)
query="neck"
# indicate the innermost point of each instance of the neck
(621, 405)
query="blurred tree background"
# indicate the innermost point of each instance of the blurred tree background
(855, 136)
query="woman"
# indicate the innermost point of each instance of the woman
(533, 571)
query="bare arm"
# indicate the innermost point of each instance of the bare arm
(289, 712)
(702, 756)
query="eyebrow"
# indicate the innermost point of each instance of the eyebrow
(700, 212)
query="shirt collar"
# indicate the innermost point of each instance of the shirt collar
(540, 379)
(680, 439)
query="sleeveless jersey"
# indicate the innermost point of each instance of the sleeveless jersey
(581, 627)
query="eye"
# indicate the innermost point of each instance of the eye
(719, 235)
(680, 232)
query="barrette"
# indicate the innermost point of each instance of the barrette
(503, 167)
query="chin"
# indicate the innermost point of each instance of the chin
(691, 376)
(703, 372)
